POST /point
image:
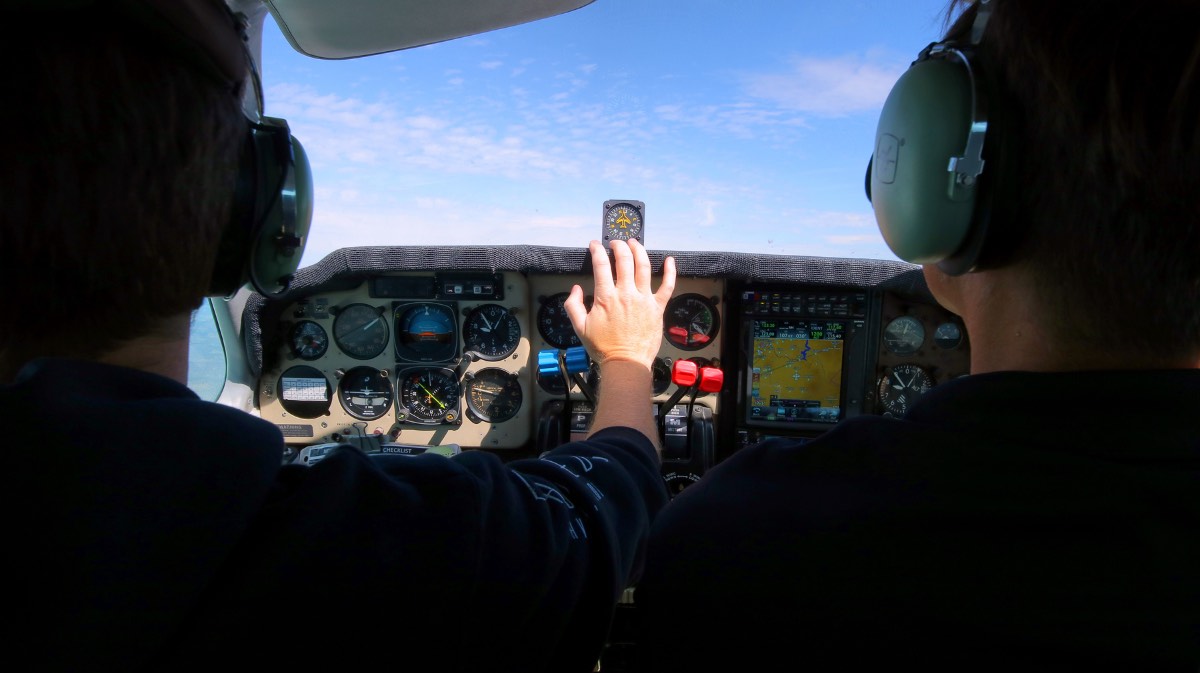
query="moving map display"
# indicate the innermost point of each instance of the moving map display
(795, 371)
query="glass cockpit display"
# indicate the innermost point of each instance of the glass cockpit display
(795, 371)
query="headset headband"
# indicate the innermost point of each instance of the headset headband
(968, 167)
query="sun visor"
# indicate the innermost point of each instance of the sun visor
(352, 28)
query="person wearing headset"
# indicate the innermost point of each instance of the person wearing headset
(1043, 513)
(155, 531)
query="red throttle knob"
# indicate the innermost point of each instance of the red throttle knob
(684, 373)
(711, 379)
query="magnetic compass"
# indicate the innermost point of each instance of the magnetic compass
(624, 219)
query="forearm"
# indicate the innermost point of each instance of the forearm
(625, 399)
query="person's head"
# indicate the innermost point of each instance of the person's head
(1093, 167)
(120, 157)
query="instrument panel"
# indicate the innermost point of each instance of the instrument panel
(457, 358)
(435, 359)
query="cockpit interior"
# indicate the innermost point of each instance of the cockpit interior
(467, 347)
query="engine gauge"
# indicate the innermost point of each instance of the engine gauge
(308, 340)
(691, 322)
(902, 386)
(365, 393)
(552, 383)
(426, 332)
(662, 376)
(553, 323)
(304, 392)
(492, 332)
(947, 336)
(428, 395)
(624, 220)
(360, 331)
(904, 335)
(493, 395)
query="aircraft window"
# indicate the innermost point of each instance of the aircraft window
(206, 358)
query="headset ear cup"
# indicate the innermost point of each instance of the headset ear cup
(924, 215)
(272, 214)
(279, 243)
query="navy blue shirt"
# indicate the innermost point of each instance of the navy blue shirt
(160, 532)
(1011, 521)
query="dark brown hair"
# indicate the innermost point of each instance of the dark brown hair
(119, 160)
(1100, 182)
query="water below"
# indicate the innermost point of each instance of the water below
(206, 358)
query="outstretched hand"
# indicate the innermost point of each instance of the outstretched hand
(626, 319)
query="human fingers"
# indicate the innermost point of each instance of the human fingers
(623, 260)
(600, 268)
(641, 265)
(667, 287)
(575, 309)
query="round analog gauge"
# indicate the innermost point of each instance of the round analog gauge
(901, 387)
(553, 384)
(493, 395)
(365, 393)
(360, 331)
(904, 335)
(691, 322)
(308, 340)
(426, 332)
(622, 221)
(492, 332)
(662, 376)
(553, 323)
(429, 395)
(947, 336)
(304, 392)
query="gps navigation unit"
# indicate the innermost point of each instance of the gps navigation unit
(795, 373)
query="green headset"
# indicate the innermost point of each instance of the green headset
(926, 179)
(264, 240)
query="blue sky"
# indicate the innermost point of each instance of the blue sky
(744, 126)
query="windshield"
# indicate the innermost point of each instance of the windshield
(742, 127)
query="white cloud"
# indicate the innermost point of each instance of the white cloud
(457, 170)
(828, 87)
